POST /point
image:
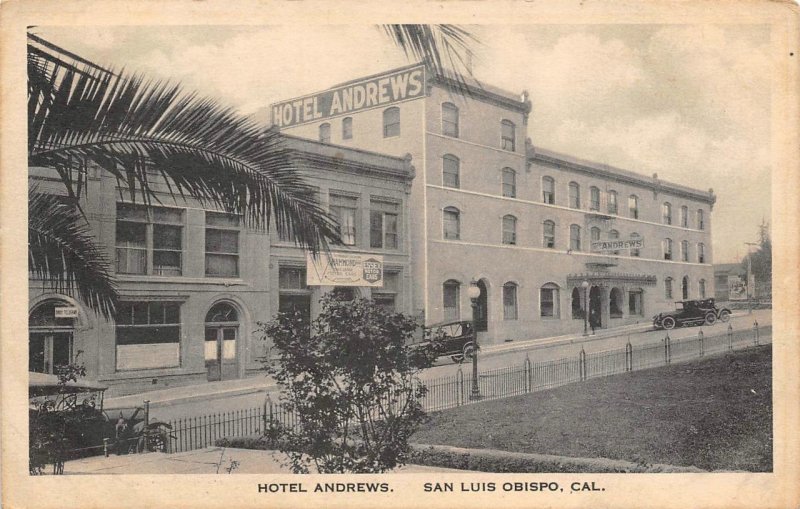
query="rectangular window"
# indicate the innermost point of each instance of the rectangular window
(345, 210)
(549, 234)
(383, 224)
(347, 128)
(451, 225)
(575, 237)
(391, 122)
(149, 240)
(508, 134)
(594, 198)
(148, 335)
(509, 183)
(450, 120)
(701, 225)
(294, 295)
(547, 299)
(612, 202)
(510, 302)
(450, 300)
(386, 297)
(574, 196)
(685, 216)
(222, 244)
(635, 303)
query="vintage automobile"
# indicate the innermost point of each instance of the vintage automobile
(451, 339)
(692, 312)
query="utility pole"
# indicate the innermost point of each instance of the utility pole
(749, 273)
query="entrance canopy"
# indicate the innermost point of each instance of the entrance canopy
(611, 279)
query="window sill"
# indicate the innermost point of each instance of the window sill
(181, 279)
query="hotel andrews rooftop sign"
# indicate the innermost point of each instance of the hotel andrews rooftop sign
(359, 95)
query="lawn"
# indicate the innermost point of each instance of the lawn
(715, 414)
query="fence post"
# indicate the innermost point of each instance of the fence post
(628, 355)
(146, 421)
(755, 331)
(105, 447)
(264, 415)
(582, 364)
(730, 336)
(528, 378)
(667, 353)
(460, 385)
(700, 340)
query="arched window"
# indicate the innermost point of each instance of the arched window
(612, 202)
(391, 122)
(450, 299)
(325, 133)
(594, 234)
(635, 250)
(668, 287)
(701, 224)
(451, 223)
(548, 190)
(549, 234)
(508, 135)
(510, 301)
(509, 229)
(450, 120)
(575, 237)
(548, 301)
(685, 287)
(685, 216)
(451, 169)
(702, 287)
(633, 206)
(347, 128)
(509, 183)
(612, 236)
(666, 213)
(574, 195)
(667, 248)
(577, 303)
(222, 331)
(50, 339)
(685, 250)
(594, 198)
(615, 303)
(701, 253)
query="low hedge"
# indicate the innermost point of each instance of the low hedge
(488, 460)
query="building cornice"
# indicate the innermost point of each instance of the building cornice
(654, 184)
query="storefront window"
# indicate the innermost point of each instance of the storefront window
(50, 339)
(148, 335)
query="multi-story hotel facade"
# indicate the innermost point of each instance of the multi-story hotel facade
(541, 234)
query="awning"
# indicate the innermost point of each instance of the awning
(611, 279)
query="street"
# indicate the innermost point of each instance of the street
(494, 356)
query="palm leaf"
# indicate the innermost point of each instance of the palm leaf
(62, 252)
(144, 132)
(446, 49)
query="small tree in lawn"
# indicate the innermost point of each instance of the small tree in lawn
(352, 381)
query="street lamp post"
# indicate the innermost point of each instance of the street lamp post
(474, 292)
(585, 286)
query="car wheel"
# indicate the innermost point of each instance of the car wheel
(711, 318)
(724, 315)
(469, 351)
(668, 323)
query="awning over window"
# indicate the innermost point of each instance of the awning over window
(611, 279)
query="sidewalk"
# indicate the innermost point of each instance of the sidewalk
(263, 384)
(211, 460)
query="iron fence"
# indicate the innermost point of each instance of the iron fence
(456, 390)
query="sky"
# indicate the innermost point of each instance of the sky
(689, 102)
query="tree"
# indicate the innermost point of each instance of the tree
(352, 381)
(761, 259)
(79, 112)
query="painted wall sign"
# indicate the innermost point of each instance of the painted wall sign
(615, 245)
(360, 95)
(66, 312)
(344, 269)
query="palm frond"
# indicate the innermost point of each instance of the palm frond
(62, 252)
(144, 131)
(446, 49)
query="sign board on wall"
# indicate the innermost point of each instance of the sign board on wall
(616, 245)
(737, 289)
(344, 269)
(356, 96)
(66, 312)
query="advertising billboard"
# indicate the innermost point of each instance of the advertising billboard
(344, 269)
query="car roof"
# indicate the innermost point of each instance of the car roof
(41, 384)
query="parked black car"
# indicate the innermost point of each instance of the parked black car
(692, 312)
(453, 339)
